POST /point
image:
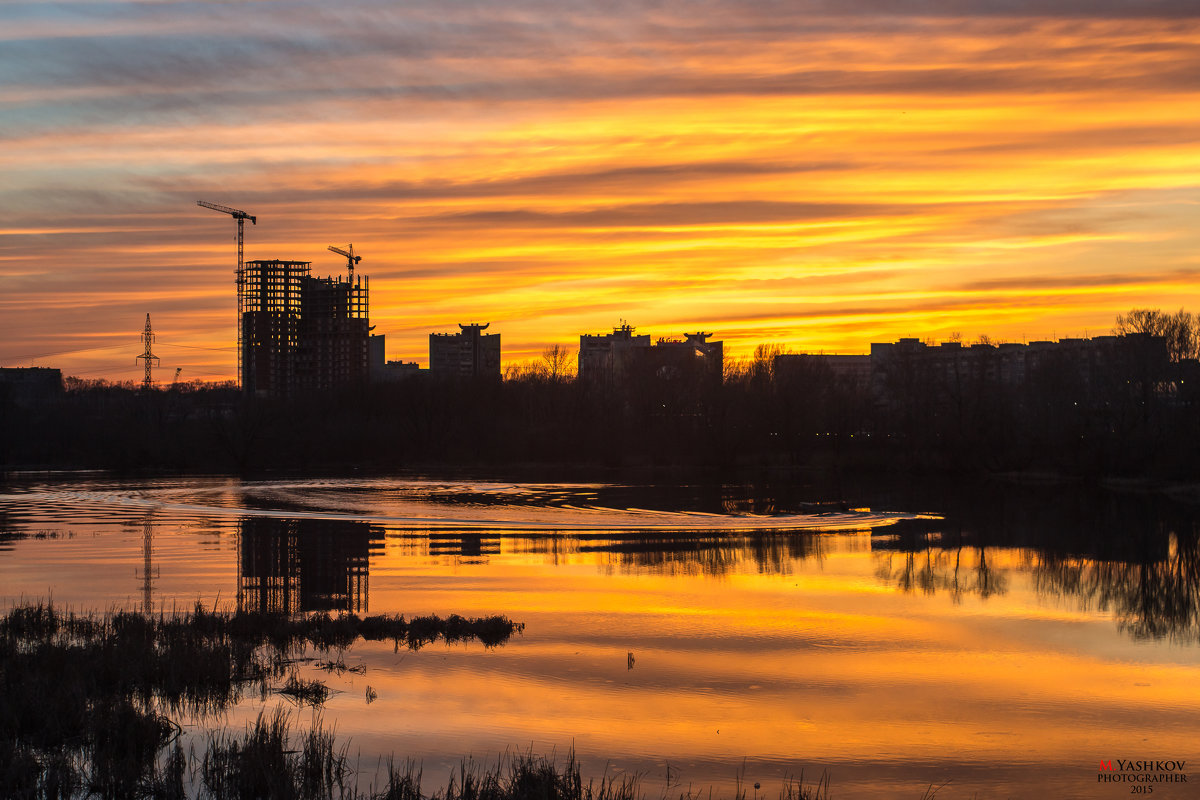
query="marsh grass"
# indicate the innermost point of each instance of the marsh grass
(304, 692)
(86, 703)
(338, 666)
(87, 700)
(269, 759)
(14, 535)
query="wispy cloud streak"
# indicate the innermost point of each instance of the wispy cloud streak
(822, 174)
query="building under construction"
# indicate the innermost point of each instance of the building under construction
(298, 333)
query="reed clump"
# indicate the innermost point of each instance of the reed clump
(86, 703)
(270, 758)
(87, 700)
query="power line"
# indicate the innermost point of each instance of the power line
(197, 375)
(109, 368)
(194, 347)
(34, 356)
(65, 352)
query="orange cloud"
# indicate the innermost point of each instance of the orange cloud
(815, 176)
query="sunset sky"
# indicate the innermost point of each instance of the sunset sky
(817, 175)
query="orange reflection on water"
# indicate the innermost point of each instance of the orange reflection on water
(893, 660)
(826, 663)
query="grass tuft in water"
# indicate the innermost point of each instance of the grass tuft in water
(84, 704)
(86, 700)
(303, 692)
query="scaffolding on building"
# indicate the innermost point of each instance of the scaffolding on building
(298, 332)
(269, 307)
(334, 332)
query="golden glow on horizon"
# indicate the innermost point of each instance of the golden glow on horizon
(818, 184)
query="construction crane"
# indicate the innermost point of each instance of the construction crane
(351, 259)
(240, 216)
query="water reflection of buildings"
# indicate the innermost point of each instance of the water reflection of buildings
(291, 565)
(674, 553)
(464, 544)
(766, 552)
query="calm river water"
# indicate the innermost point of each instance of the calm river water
(1001, 641)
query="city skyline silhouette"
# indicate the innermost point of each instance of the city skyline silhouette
(810, 176)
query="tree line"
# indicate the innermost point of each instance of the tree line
(1131, 421)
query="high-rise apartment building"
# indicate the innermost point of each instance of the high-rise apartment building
(470, 353)
(300, 333)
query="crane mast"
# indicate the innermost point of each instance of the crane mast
(241, 217)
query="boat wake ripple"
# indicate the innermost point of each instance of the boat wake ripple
(419, 505)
